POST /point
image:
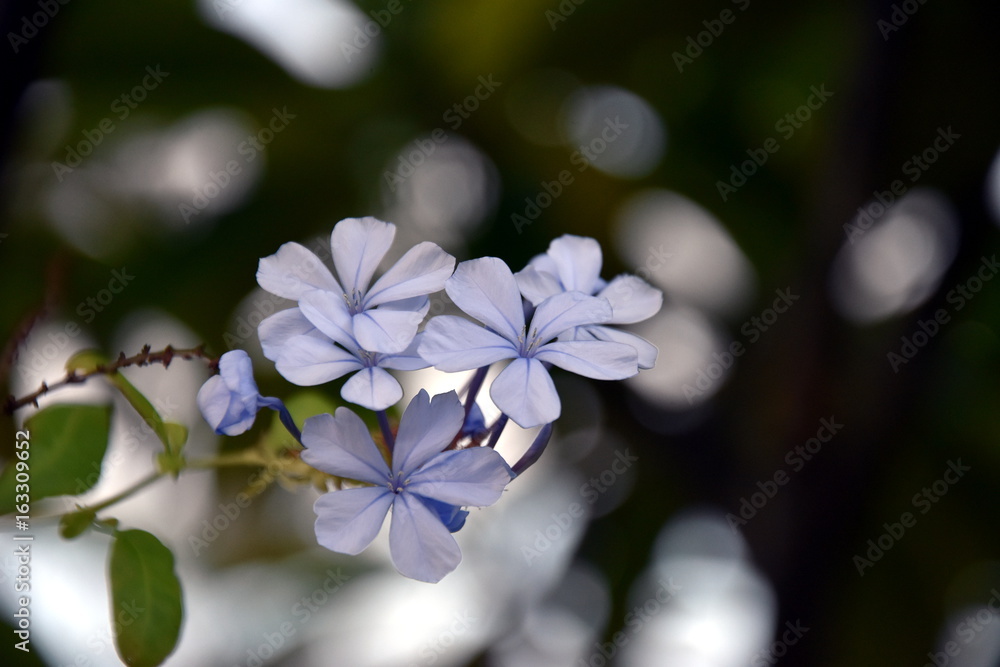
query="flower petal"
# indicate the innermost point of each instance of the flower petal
(647, 351)
(328, 312)
(425, 429)
(348, 520)
(343, 446)
(578, 260)
(407, 360)
(372, 388)
(308, 361)
(525, 393)
(275, 331)
(421, 546)
(485, 289)
(536, 285)
(632, 299)
(225, 415)
(421, 271)
(475, 476)
(358, 245)
(385, 330)
(564, 311)
(597, 359)
(455, 344)
(293, 271)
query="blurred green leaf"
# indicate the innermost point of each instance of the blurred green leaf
(146, 601)
(68, 443)
(75, 523)
(301, 406)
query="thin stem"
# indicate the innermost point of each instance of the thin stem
(387, 436)
(534, 451)
(144, 358)
(474, 386)
(497, 429)
(118, 497)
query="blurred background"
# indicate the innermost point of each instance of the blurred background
(809, 475)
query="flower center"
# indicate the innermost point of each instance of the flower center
(397, 483)
(353, 301)
(526, 343)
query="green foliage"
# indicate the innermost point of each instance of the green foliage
(146, 600)
(68, 443)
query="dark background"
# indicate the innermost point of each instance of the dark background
(891, 94)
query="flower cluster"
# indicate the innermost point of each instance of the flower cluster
(557, 311)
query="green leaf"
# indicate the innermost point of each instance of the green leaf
(147, 606)
(67, 443)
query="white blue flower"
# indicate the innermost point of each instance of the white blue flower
(425, 486)
(384, 316)
(351, 325)
(230, 400)
(573, 263)
(486, 289)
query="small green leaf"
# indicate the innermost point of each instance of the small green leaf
(86, 361)
(146, 602)
(67, 443)
(75, 523)
(177, 435)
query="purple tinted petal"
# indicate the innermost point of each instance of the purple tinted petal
(536, 285)
(578, 261)
(597, 359)
(646, 350)
(358, 245)
(307, 361)
(225, 415)
(455, 344)
(343, 446)
(293, 271)
(422, 270)
(426, 428)
(327, 311)
(632, 299)
(485, 289)
(372, 388)
(277, 329)
(565, 311)
(348, 520)
(388, 331)
(524, 392)
(421, 546)
(469, 477)
(407, 360)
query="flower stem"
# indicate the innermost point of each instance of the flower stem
(474, 386)
(534, 451)
(497, 430)
(118, 497)
(387, 436)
